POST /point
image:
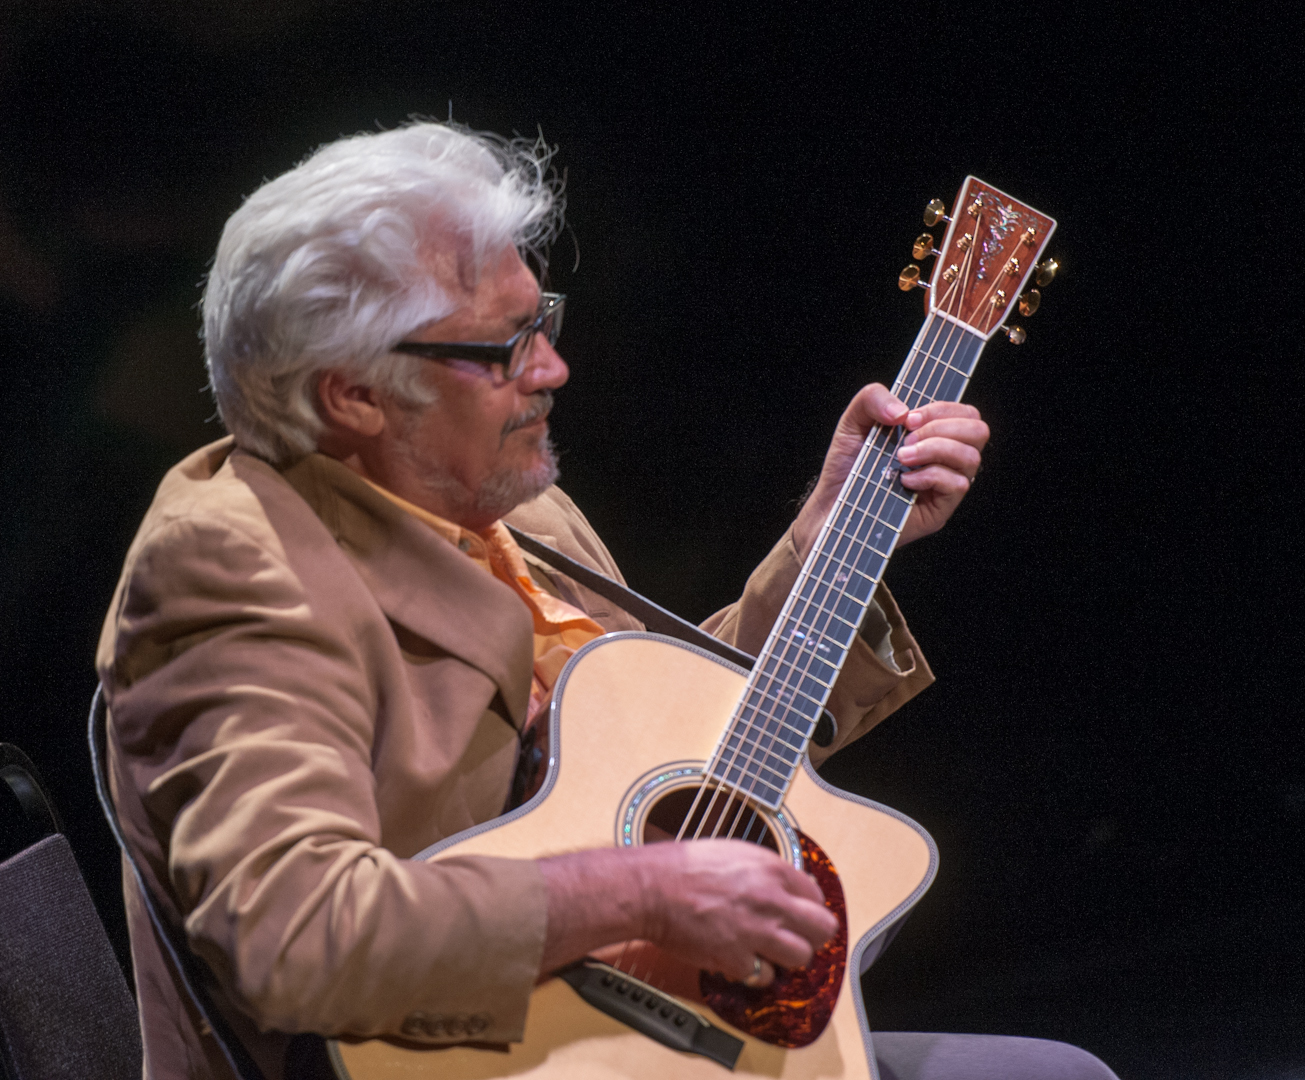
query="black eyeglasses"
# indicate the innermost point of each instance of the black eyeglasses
(511, 354)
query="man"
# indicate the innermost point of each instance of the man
(325, 645)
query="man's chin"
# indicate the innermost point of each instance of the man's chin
(510, 487)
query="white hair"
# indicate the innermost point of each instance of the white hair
(323, 267)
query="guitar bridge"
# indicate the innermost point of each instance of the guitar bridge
(650, 1012)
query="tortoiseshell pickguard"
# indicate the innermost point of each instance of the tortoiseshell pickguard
(794, 1009)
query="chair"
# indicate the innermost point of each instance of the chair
(65, 1009)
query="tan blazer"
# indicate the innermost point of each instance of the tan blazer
(306, 687)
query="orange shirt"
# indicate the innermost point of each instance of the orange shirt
(560, 629)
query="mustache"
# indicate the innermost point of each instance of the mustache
(541, 405)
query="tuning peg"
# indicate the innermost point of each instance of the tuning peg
(909, 279)
(923, 247)
(1046, 271)
(935, 212)
(1029, 302)
(1016, 334)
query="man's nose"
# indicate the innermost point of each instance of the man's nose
(545, 368)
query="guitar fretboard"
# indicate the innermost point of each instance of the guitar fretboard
(763, 746)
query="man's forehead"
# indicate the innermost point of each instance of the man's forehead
(499, 289)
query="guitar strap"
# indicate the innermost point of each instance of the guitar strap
(655, 617)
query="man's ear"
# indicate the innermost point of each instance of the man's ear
(348, 407)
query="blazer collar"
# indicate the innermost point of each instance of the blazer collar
(421, 581)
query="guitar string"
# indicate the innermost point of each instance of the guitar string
(880, 447)
(877, 445)
(735, 794)
(927, 371)
(762, 720)
(740, 727)
(939, 370)
(743, 726)
(841, 564)
(760, 732)
(764, 687)
(924, 372)
(933, 366)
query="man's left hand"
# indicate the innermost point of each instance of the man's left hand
(942, 452)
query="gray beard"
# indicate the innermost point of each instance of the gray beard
(501, 492)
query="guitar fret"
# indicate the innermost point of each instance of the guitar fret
(770, 761)
(774, 754)
(773, 724)
(777, 701)
(770, 702)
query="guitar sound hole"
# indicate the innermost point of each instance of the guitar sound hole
(725, 816)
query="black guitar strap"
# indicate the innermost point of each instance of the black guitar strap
(655, 617)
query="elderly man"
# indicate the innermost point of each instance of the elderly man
(325, 644)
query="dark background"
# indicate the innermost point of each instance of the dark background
(1111, 759)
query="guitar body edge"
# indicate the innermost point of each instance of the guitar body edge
(631, 706)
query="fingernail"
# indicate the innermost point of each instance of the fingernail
(915, 418)
(908, 453)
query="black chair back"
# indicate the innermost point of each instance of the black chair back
(65, 1009)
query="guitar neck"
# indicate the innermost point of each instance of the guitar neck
(769, 733)
(987, 257)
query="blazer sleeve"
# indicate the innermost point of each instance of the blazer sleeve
(243, 728)
(867, 689)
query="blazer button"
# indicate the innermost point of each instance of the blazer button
(421, 1025)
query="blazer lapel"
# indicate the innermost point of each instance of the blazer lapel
(421, 581)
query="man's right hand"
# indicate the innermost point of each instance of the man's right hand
(715, 904)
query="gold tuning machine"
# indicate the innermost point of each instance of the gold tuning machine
(923, 247)
(909, 279)
(935, 212)
(1016, 334)
(1029, 302)
(1046, 272)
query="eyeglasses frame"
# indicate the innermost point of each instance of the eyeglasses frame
(551, 305)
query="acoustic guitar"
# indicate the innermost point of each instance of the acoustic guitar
(656, 740)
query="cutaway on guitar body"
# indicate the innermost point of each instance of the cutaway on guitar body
(635, 720)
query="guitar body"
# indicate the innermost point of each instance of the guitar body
(634, 718)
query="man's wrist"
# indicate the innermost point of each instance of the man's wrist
(599, 897)
(649, 899)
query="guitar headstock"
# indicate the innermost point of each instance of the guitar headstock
(987, 264)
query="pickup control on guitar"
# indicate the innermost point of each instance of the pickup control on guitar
(650, 1012)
